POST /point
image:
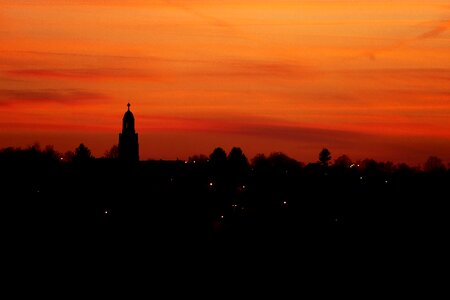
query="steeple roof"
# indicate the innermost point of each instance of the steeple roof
(128, 116)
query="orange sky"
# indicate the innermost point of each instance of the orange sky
(364, 78)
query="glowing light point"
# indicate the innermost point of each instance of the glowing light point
(106, 212)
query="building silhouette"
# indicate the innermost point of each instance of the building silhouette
(128, 139)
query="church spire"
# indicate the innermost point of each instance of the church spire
(128, 139)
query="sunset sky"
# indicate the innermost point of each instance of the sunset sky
(370, 79)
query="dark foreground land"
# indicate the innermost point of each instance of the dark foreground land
(157, 199)
(158, 215)
(275, 208)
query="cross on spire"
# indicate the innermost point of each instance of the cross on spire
(128, 106)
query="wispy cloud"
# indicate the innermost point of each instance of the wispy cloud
(254, 68)
(439, 29)
(86, 74)
(69, 96)
(154, 69)
(104, 57)
(252, 126)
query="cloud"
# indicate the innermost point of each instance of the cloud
(250, 125)
(84, 74)
(69, 96)
(233, 69)
(296, 133)
(439, 29)
(70, 54)
(22, 57)
(254, 68)
(80, 2)
(435, 74)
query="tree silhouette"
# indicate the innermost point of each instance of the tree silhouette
(370, 166)
(82, 154)
(238, 166)
(260, 162)
(50, 154)
(324, 156)
(218, 163)
(112, 153)
(237, 158)
(282, 162)
(68, 156)
(343, 161)
(36, 147)
(434, 164)
(218, 156)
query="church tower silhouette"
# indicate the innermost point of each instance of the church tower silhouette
(128, 139)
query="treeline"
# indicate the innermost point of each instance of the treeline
(235, 158)
(219, 195)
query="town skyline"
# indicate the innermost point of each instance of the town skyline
(365, 79)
